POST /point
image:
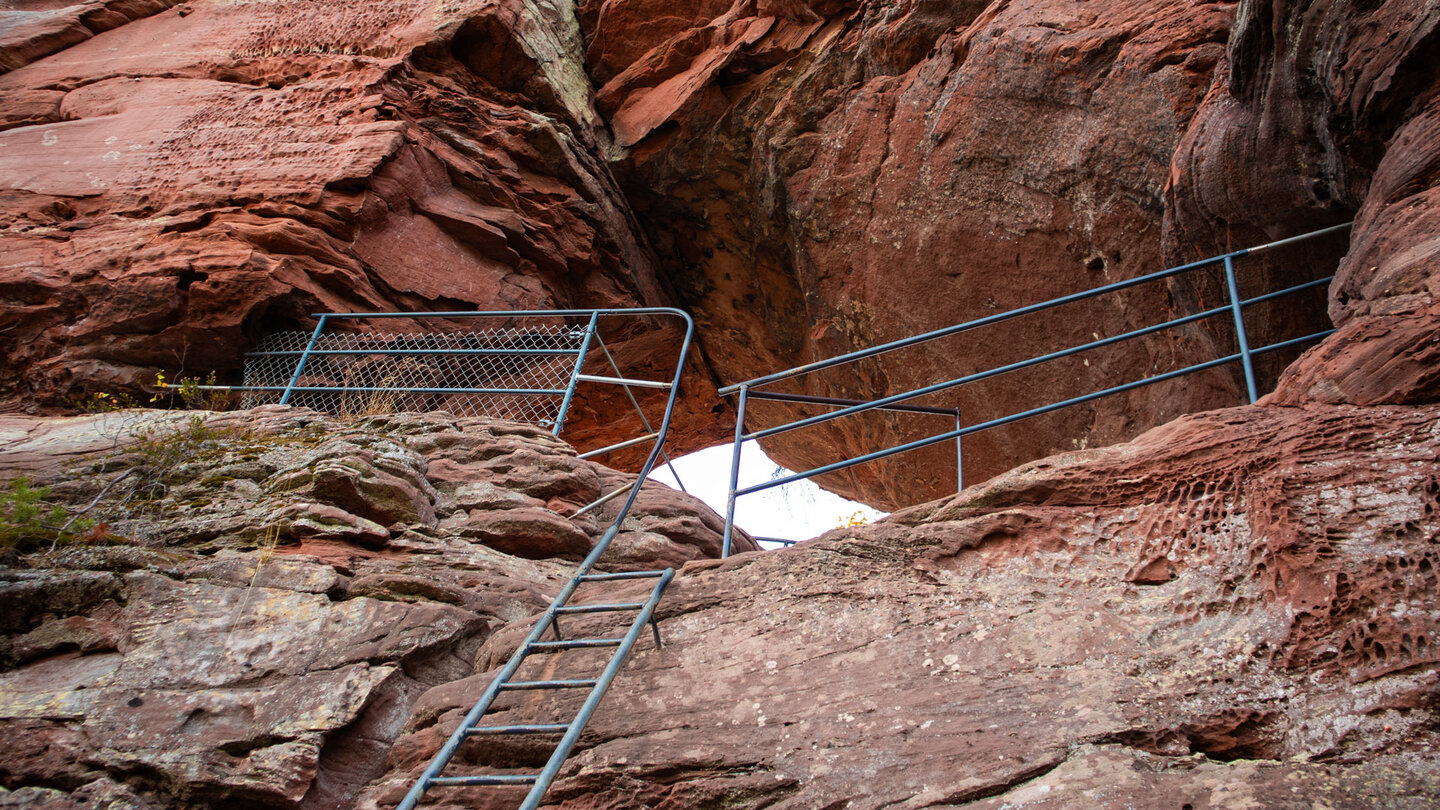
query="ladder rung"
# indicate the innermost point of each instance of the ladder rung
(579, 683)
(622, 381)
(487, 779)
(621, 575)
(601, 608)
(621, 445)
(535, 728)
(576, 643)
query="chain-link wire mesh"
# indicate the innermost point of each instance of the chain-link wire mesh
(518, 373)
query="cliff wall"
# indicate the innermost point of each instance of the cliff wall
(1235, 608)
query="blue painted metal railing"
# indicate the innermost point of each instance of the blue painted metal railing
(1235, 306)
(568, 343)
(644, 614)
(519, 371)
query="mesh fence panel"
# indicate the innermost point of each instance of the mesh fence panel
(476, 372)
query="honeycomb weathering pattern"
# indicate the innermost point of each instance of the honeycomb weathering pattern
(539, 357)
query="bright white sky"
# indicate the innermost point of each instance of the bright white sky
(795, 511)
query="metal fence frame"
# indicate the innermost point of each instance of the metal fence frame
(591, 339)
(1235, 306)
(582, 573)
(542, 781)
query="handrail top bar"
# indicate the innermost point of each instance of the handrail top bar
(517, 313)
(926, 337)
(805, 399)
(892, 402)
(1016, 417)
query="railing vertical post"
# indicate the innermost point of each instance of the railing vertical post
(959, 456)
(734, 471)
(300, 364)
(575, 373)
(1238, 312)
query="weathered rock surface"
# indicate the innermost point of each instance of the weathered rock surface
(784, 160)
(1236, 607)
(185, 181)
(1347, 100)
(824, 176)
(273, 591)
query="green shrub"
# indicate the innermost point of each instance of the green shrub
(28, 520)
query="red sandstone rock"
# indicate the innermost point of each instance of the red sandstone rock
(1005, 643)
(979, 149)
(1004, 154)
(252, 633)
(180, 184)
(1237, 598)
(1350, 114)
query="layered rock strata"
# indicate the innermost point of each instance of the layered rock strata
(267, 593)
(1234, 608)
(181, 184)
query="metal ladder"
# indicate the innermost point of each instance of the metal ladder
(471, 726)
(644, 612)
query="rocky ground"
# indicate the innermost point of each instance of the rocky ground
(257, 599)
(1235, 610)
(1237, 607)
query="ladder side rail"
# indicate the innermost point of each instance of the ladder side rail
(447, 751)
(597, 693)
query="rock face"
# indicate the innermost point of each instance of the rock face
(771, 166)
(826, 176)
(1234, 609)
(182, 183)
(823, 177)
(270, 592)
(1236, 606)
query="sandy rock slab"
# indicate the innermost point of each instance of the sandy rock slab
(258, 598)
(178, 181)
(1237, 609)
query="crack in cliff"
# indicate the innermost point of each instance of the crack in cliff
(971, 794)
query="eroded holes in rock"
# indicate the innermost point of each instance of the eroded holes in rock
(1096, 264)
(1235, 734)
(185, 278)
(999, 537)
(242, 748)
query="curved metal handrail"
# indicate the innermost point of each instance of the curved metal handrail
(1235, 306)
